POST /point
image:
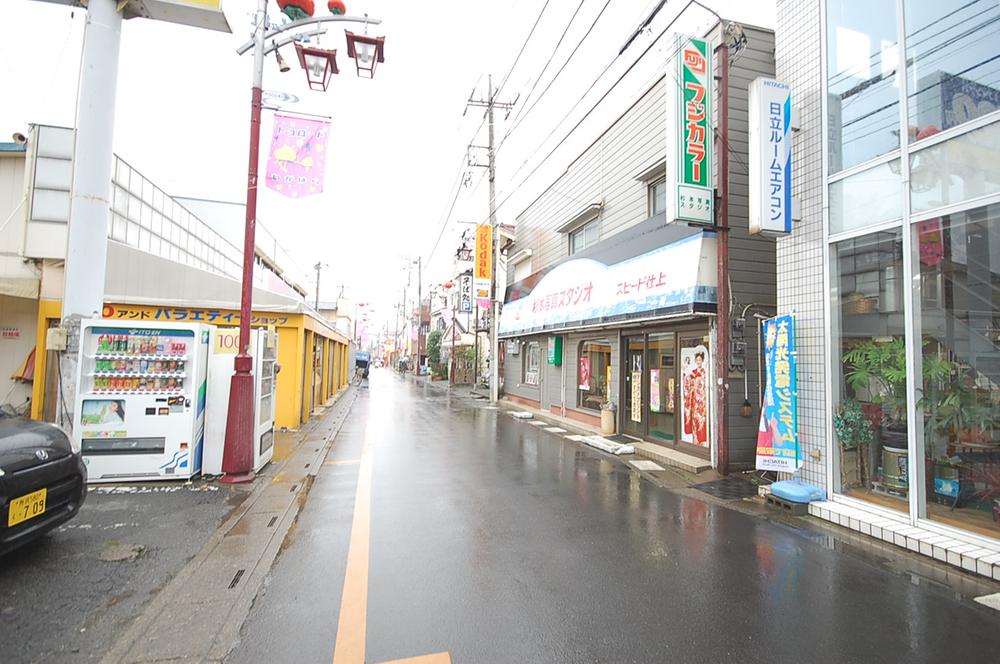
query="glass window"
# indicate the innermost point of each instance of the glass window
(661, 365)
(959, 263)
(870, 414)
(532, 362)
(657, 197)
(951, 58)
(593, 373)
(862, 90)
(866, 198)
(962, 168)
(583, 237)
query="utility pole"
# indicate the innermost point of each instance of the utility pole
(420, 317)
(490, 103)
(318, 266)
(722, 226)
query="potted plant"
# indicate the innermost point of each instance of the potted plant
(855, 433)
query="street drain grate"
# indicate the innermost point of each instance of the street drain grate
(730, 488)
(236, 579)
(624, 440)
(270, 524)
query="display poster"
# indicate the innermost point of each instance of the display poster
(483, 262)
(690, 197)
(103, 418)
(671, 384)
(297, 159)
(654, 391)
(770, 157)
(636, 413)
(583, 373)
(694, 395)
(778, 433)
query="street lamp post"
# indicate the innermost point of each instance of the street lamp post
(237, 456)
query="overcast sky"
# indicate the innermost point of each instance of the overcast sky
(397, 142)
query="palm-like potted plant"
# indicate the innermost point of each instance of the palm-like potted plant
(879, 368)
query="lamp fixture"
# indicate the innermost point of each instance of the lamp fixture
(282, 65)
(320, 65)
(366, 51)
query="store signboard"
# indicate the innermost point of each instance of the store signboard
(690, 197)
(483, 268)
(770, 157)
(675, 276)
(465, 293)
(778, 433)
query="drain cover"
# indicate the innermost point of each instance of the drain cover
(729, 488)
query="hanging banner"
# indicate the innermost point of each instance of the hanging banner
(483, 269)
(778, 434)
(690, 197)
(465, 294)
(636, 413)
(654, 391)
(770, 157)
(583, 373)
(694, 395)
(297, 159)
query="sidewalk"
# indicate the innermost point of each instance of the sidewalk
(198, 615)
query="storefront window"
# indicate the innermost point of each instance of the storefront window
(532, 362)
(863, 199)
(951, 63)
(862, 90)
(960, 169)
(959, 263)
(870, 413)
(662, 386)
(593, 374)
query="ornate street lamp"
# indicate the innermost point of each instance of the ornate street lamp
(319, 63)
(366, 51)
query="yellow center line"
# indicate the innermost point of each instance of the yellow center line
(350, 644)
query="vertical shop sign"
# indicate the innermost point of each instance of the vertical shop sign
(778, 434)
(465, 294)
(689, 111)
(694, 395)
(770, 157)
(583, 373)
(636, 413)
(483, 262)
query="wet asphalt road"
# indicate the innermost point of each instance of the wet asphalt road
(496, 541)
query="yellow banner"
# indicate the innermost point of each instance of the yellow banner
(484, 252)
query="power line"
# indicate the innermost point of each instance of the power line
(519, 118)
(523, 46)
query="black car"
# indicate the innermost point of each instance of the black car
(42, 481)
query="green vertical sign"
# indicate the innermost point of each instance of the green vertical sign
(694, 195)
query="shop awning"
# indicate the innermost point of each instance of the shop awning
(673, 279)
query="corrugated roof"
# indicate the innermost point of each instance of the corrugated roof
(13, 147)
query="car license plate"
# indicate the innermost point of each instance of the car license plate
(26, 507)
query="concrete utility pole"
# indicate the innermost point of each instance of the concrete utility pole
(490, 103)
(722, 226)
(318, 266)
(420, 317)
(90, 207)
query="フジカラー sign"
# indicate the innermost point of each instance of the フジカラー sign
(674, 277)
(778, 434)
(770, 157)
(689, 135)
(483, 266)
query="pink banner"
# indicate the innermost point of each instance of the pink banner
(297, 158)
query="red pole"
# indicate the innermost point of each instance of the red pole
(722, 226)
(237, 457)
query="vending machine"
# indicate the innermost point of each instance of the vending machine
(223, 348)
(140, 399)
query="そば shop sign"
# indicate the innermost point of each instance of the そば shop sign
(770, 157)
(690, 196)
(778, 433)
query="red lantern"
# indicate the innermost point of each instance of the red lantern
(297, 9)
(336, 7)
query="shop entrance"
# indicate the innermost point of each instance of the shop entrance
(665, 388)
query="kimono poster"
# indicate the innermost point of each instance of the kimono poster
(694, 395)
(583, 373)
(778, 433)
(297, 159)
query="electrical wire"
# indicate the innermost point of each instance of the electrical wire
(523, 46)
